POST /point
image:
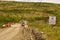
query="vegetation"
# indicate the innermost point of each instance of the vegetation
(36, 13)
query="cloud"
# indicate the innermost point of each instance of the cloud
(52, 1)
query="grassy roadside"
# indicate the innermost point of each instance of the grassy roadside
(35, 13)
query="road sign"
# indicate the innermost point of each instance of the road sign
(52, 20)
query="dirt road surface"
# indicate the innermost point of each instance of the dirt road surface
(10, 32)
(18, 32)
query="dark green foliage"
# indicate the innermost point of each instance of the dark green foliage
(1, 25)
(36, 18)
(57, 12)
(16, 11)
(9, 19)
(50, 11)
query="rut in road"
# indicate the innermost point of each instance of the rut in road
(7, 34)
(18, 32)
(29, 34)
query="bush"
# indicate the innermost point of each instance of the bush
(35, 18)
(1, 25)
(9, 18)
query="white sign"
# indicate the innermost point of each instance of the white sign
(52, 20)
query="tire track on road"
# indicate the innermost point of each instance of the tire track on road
(10, 32)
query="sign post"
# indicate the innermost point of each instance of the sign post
(52, 20)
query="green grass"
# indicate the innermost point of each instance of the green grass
(35, 13)
(52, 32)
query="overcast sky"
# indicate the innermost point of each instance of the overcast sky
(52, 1)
